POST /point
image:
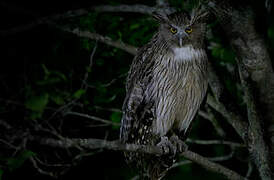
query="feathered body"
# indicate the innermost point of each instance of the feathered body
(166, 84)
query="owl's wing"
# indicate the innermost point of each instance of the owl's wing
(137, 81)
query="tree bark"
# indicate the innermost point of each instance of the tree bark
(252, 54)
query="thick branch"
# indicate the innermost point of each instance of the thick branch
(100, 144)
(256, 143)
(254, 60)
(233, 119)
(211, 165)
(117, 145)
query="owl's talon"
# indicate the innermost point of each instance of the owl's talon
(178, 143)
(167, 146)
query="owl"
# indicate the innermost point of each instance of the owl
(165, 87)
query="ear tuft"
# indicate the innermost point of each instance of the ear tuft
(199, 14)
(161, 17)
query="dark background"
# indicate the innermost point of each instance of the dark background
(42, 69)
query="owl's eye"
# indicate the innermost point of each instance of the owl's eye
(173, 30)
(188, 30)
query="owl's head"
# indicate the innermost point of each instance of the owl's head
(182, 28)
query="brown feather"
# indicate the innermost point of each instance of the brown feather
(165, 87)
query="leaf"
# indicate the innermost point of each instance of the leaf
(100, 62)
(116, 118)
(120, 35)
(86, 44)
(77, 94)
(49, 81)
(270, 33)
(57, 99)
(16, 162)
(134, 26)
(37, 103)
(225, 54)
(45, 69)
(59, 74)
(112, 98)
(88, 69)
(51, 77)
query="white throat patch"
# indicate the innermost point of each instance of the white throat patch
(187, 53)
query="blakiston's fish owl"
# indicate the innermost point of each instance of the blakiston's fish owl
(166, 84)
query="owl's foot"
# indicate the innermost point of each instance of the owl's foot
(178, 143)
(167, 146)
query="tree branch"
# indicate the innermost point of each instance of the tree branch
(211, 118)
(137, 8)
(254, 60)
(117, 145)
(93, 118)
(235, 120)
(118, 44)
(211, 165)
(214, 82)
(215, 159)
(210, 142)
(256, 143)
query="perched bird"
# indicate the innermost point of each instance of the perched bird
(166, 85)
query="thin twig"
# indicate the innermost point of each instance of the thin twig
(9, 144)
(35, 165)
(222, 158)
(249, 170)
(5, 124)
(211, 142)
(214, 82)
(93, 118)
(205, 115)
(108, 109)
(211, 118)
(118, 44)
(84, 84)
(235, 120)
(49, 165)
(135, 177)
(181, 163)
(137, 8)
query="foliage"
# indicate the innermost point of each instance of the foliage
(13, 163)
(54, 72)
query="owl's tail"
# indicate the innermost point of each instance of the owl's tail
(157, 168)
(157, 172)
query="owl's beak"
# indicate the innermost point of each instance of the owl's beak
(181, 35)
(180, 41)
